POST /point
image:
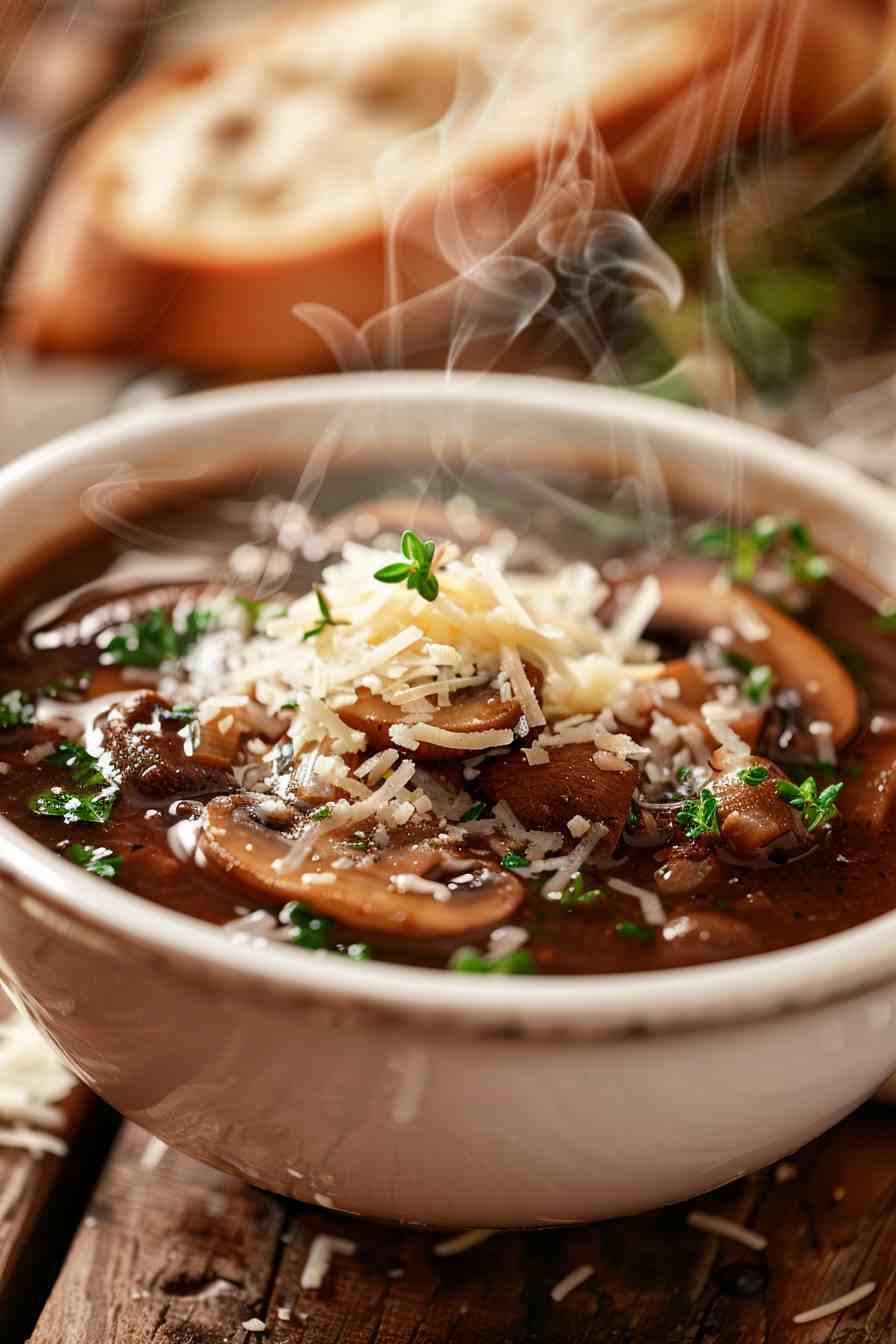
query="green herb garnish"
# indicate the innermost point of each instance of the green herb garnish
(683, 773)
(359, 952)
(258, 610)
(754, 775)
(575, 893)
(94, 859)
(97, 797)
(16, 710)
(469, 961)
(816, 808)
(699, 816)
(326, 618)
(321, 814)
(92, 807)
(67, 686)
(476, 812)
(155, 638)
(417, 573)
(312, 931)
(178, 714)
(744, 548)
(636, 933)
(514, 860)
(758, 682)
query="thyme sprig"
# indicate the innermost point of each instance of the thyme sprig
(417, 572)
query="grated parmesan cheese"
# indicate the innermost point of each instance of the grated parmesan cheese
(651, 905)
(568, 1284)
(320, 1256)
(836, 1305)
(464, 1241)
(725, 1227)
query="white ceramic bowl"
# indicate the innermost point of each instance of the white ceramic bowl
(419, 1095)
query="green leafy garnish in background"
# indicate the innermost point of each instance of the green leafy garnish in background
(155, 638)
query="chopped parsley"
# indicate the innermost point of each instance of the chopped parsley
(754, 775)
(575, 893)
(758, 683)
(156, 638)
(359, 952)
(326, 617)
(94, 801)
(67, 687)
(94, 859)
(470, 962)
(417, 573)
(514, 860)
(699, 816)
(758, 679)
(16, 710)
(816, 808)
(683, 773)
(476, 812)
(312, 931)
(635, 933)
(745, 548)
(321, 814)
(178, 714)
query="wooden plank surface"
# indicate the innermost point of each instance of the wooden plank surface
(174, 1253)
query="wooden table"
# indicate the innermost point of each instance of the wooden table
(163, 1250)
(126, 1242)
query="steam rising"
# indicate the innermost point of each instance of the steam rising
(547, 269)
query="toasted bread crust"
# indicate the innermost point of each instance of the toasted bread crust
(84, 285)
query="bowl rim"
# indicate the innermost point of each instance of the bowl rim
(837, 966)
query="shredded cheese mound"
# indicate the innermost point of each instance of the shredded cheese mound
(32, 1080)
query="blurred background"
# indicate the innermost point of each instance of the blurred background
(692, 198)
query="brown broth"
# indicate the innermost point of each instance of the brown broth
(844, 882)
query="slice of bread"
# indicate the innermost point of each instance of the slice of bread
(368, 151)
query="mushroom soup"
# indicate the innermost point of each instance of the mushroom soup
(442, 743)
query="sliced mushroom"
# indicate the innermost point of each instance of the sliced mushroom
(694, 690)
(691, 937)
(160, 757)
(694, 606)
(687, 870)
(546, 797)
(411, 887)
(869, 793)
(752, 817)
(476, 710)
(82, 621)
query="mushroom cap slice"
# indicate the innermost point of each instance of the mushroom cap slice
(476, 710)
(411, 888)
(869, 793)
(150, 756)
(546, 797)
(752, 816)
(695, 689)
(694, 606)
